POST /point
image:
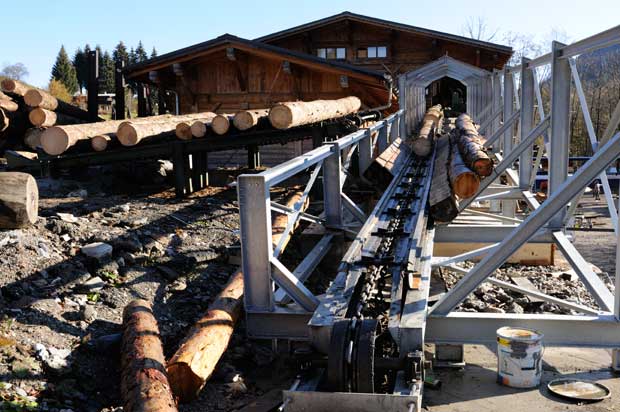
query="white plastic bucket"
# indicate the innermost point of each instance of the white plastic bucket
(519, 357)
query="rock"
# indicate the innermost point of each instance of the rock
(67, 217)
(168, 273)
(139, 222)
(514, 308)
(569, 276)
(58, 359)
(93, 284)
(493, 309)
(88, 313)
(97, 250)
(128, 243)
(41, 352)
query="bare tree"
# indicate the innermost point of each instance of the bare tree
(479, 29)
(15, 71)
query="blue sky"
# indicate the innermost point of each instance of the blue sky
(33, 31)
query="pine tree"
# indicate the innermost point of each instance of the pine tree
(106, 73)
(64, 72)
(141, 53)
(81, 68)
(153, 53)
(120, 53)
(132, 59)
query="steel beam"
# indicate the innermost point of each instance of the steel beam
(560, 130)
(526, 123)
(509, 92)
(365, 151)
(557, 201)
(461, 233)
(499, 132)
(332, 187)
(293, 286)
(560, 330)
(256, 246)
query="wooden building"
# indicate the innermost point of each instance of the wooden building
(385, 45)
(230, 73)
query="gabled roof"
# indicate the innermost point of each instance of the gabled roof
(446, 66)
(228, 40)
(347, 15)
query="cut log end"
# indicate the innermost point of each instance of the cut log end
(100, 143)
(33, 98)
(281, 116)
(243, 120)
(198, 128)
(55, 141)
(42, 118)
(127, 135)
(466, 185)
(183, 131)
(483, 167)
(19, 200)
(220, 124)
(10, 86)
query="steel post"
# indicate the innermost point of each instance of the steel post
(332, 179)
(256, 246)
(527, 123)
(508, 110)
(365, 152)
(560, 131)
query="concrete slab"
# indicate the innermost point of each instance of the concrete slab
(475, 389)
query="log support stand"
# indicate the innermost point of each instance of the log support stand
(253, 157)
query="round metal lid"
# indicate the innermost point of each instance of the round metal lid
(579, 389)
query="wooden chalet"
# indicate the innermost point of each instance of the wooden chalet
(229, 73)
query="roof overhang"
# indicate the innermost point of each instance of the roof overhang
(446, 66)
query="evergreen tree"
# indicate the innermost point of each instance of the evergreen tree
(120, 53)
(64, 72)
(141, 53)
(81, 68)
(153, 53)
(132, 57)
(106, 73)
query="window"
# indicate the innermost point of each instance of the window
(332, 53)
(372, 52)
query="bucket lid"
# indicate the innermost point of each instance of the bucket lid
(519, 334)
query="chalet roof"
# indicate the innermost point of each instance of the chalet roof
(446, 66)
(347, 15)
(228, 40)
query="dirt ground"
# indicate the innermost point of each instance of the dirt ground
(61, 310)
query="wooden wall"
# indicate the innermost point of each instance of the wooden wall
(217, 83)
(405, 51)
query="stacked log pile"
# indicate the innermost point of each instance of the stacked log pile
(23, 107)
(460, 163)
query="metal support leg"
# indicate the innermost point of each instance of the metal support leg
(615, 353)
(332, 188)
(179, 169)
(527, 123)
(256, 246)
(560, 131)
(382, 139)
(508, 206)
(253, 157)
(365, 153)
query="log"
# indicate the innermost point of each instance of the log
(464, 181)
(130, 133)
(290, 114)
(8, 105)
(221, 123)
(423, 144)
(32, 138)
(195, 360)
(19, 200)
(100, 142)
(14, 86)
(40, 117)
(246, 119)
(443, 204)
(184, 129)
(58, 139)
(199, 128)
(144, 383)
(471, 147)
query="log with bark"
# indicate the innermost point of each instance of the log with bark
(443, 204)
(464, 181)
(290, 114)
(184, 129)
(14, 87)
(19, 200)
(8, 105)
(58, 139)
(39, 98)
(40, 117)
(471, 147)
(131, 132)
(246, 119)
(144, 382)
(195, 360)
(221, 123)
(423, 144)
(32, 138)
